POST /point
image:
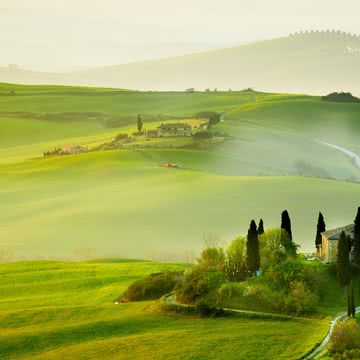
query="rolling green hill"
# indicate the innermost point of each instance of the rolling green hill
(313, 62)
(64, 206)
(92, 203)
(57, 310)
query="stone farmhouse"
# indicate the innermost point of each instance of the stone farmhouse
(330, 239)
(171, 130)
(73, 149)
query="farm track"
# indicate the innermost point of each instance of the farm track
(321, 349)
(315, 353)
(354, 157)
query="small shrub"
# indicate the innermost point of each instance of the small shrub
(227, 291)
(119, 137)
(202, 135)
(138, 133)
(205, 310)
(348, 355)
(346, 336)
(179, 309)
(152, 287)
(341, 97)
(199, 282)
(213, 257)
(332, 269)
(212, 116)
(281, 274)
(301, 300)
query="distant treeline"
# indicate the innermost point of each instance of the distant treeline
(212, 116)
(106, 120)
(325, 32)
(341, 97)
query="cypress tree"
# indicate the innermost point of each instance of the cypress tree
(286, 223)
(342, 261)
(352, 301)
(252, 249)
(139, 123)
(357, 238)
(321, 227)
(261, 227)
(286, 240)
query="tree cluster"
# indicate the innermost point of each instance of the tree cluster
(348, 262)
(345, 97)
(212, 116)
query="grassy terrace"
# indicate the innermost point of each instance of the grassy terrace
(73, 201)
(125, 203)
(52, 310)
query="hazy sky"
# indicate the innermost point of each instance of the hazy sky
(82, 33)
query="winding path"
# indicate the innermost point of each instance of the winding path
(321, 349)
(348, 153)
(314, 354)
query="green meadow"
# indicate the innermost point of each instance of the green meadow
(125, 203)
(267, 156)
(53, 310)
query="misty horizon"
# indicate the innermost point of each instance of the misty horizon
(71, 36)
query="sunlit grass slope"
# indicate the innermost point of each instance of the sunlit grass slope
(126, 203)
(122, 102)
(57, 310)
(284, 137)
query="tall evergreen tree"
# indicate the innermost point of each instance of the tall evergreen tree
(286, 223)
(252, 249)
(321, 227)
(356, 242)
(342, 261)
(286, 238)
(351, 301)
(139, 123)
(261, 227)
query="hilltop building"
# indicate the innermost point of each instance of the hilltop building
(330, 239)
(171, 130)
(175, 129)
(73, 149)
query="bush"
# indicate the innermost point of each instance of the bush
(341, 97)
(227, 291)
(348, 355)
(236, 260)
(346, 336)
(301, 300)
(212, 116)
(281, 274)
(202, 135)
(152, 287)
(199, 282)
(205, 310)
(332, 268)
(213, 257)
(272, 249)
(119, 137)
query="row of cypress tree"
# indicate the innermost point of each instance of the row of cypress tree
(348, 262)
(253, 246)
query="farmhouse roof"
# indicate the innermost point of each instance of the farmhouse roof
(173, 126)
(334, 234)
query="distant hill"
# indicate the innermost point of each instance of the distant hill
(310, 62)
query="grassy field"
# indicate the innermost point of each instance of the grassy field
(56, 310)
(97, 200)
(93, 203)
(125, 203)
